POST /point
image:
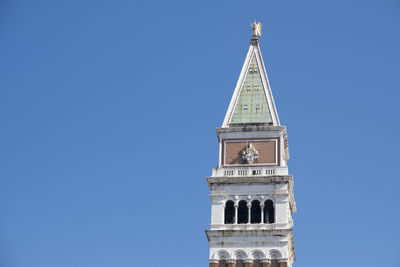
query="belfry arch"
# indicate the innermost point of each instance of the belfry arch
(255, 212)
(229, 212)
(243, 212)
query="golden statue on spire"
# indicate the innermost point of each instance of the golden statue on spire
(256, 28)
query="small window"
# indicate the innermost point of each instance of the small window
(245, 107)
(253, 69)
(248, 88)
(256, 88)
(257, 106)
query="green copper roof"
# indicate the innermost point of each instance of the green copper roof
(252, 106)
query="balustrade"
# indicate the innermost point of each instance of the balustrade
(250, 171)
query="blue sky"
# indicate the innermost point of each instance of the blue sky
(108, 112)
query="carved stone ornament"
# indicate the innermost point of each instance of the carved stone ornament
(250, 154)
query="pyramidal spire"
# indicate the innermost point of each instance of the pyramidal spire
(252, 101)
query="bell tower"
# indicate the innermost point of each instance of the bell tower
(252, 199)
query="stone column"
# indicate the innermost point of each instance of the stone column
(249, 210)
(231, 263)
(266, 263)
(213, 262)
(262, 212)
(283, 263)
(248, 263)
(236, 212)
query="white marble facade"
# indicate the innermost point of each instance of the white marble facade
(245, 183)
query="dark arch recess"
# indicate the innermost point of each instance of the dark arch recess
(243, 212)
(269, 212)
(255, 212)
(229, 212)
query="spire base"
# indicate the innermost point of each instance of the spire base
(254, 40)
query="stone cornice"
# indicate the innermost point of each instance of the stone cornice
(278, 179)
(278, 195)
(251, 128)
(247, 233)
(252, 227)
(247, 243)
(251, 131)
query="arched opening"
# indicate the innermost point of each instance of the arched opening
(257, 256)
(255, 212)
(229, 212)
(240, 255)
(243, 213)
(269, 212)
(274, 256)
(223, 255)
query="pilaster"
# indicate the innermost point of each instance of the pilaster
(283, 263)
(214, 263)
(231, 263)
(248, 263)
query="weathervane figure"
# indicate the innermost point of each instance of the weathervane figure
(256, 28)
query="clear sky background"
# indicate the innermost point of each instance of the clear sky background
(108, 112)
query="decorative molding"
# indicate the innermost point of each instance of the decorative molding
(257, 254)
(223, 255)
(240, 255)
(275, 254)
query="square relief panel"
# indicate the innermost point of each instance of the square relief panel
(264, 151)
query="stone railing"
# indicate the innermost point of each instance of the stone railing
(249, 171)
